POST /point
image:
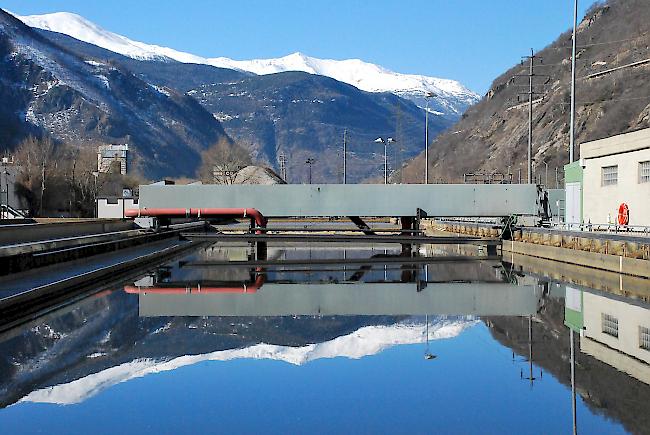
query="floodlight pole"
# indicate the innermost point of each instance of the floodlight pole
(573, 83)
(386, 162)
(345, 156)
(385, 142)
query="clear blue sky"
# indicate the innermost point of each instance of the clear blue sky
(469, 40)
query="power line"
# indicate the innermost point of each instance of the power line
(531, 93)
(345, 156)
(564, 47)
(605, 100)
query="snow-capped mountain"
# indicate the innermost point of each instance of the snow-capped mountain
(451, 97)
(366, 76)
(366, 341)
(82, 101)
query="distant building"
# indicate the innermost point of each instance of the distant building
(225, 173)
(610, 172)
(487, 178)
(112, 156)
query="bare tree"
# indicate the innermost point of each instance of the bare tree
(223, 157)
(80, 180)
(38, 165)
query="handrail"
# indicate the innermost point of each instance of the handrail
(7, 209)
(600, 227)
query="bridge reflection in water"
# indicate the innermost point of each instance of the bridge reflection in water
(383, 284)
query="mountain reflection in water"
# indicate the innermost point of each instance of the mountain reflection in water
(472, 315)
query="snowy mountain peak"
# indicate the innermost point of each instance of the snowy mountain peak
(451, 97)
(450, 94)
(84, 30)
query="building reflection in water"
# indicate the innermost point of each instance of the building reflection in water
(612, 329)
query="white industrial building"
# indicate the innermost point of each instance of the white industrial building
(115, 207)
(611, 172)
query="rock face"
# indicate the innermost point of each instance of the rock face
(493, 134)
(47, 89)
(257, 175)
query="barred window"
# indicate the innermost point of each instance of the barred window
(644, 337)
(644, 172)
(610, 175)
(610, 325)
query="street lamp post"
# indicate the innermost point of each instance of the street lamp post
(310, 161)
(6, 174)
(385, 142)
(427, 354)
(95, 206)
(426, 138)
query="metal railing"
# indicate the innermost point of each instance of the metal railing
(8, 212)
(639, 230)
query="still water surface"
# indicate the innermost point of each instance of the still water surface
(346, 346)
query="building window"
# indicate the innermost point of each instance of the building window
(610, 175)
(610, 325)
(644, 172)
(644, 337)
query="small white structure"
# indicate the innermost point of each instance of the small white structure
(616, 170)
(114, 207)
(109, 155)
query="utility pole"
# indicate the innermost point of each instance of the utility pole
(530, 115)
(546, 174)
(573, 382)
(345, 156)
(96, 207)
(531, 93)
(398, 136)
(573, 83)
(310, 162)
(282, 159)
(426, 138)
(40, 212)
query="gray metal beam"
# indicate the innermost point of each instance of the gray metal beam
(343, 238)
(299, 200)
(479, 299)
